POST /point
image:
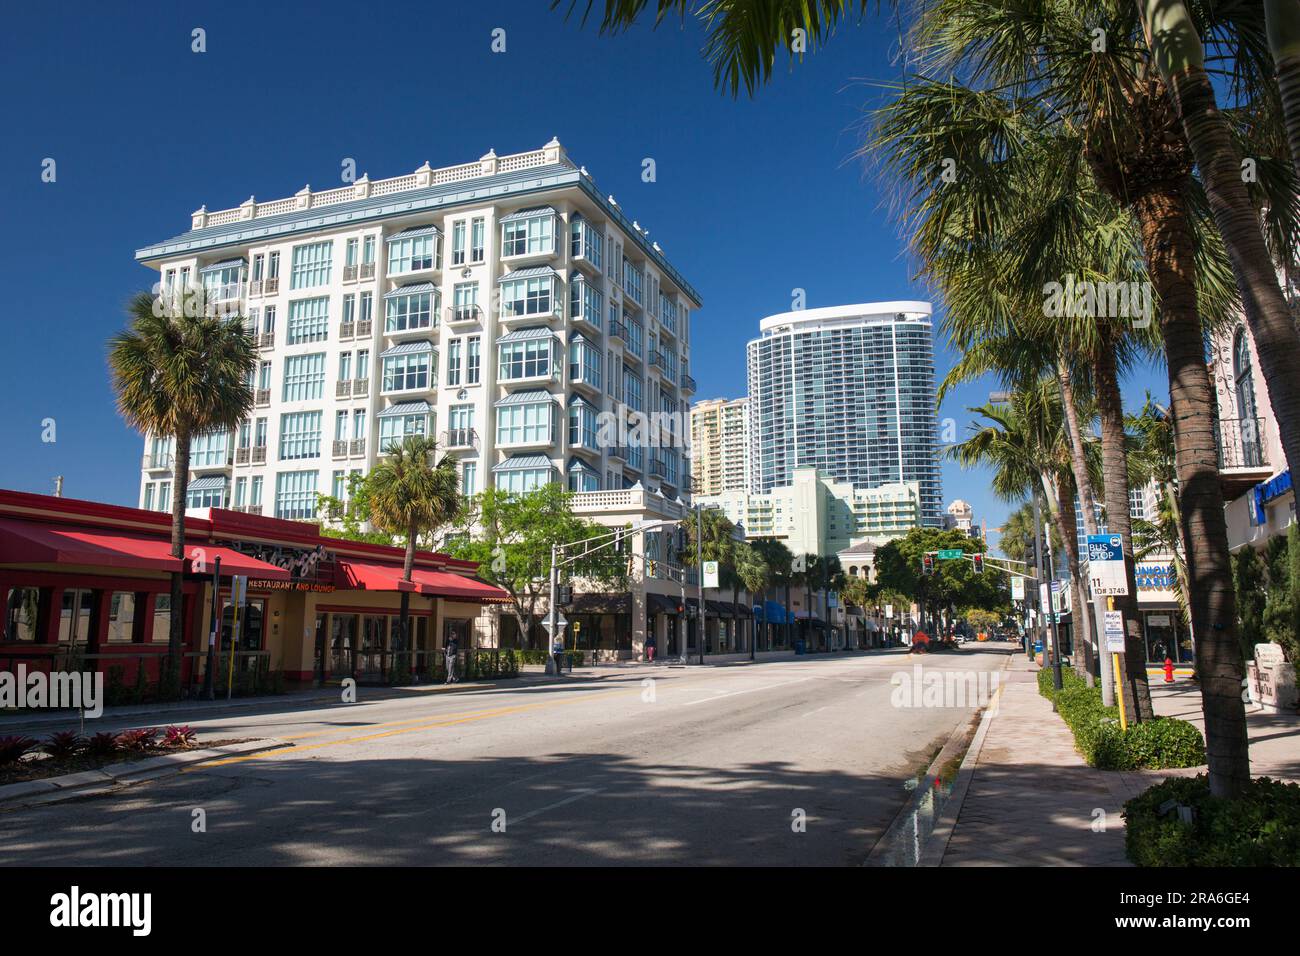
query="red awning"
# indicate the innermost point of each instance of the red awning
(458, 587)
(364, 576)
(202, 557)
(30, 542)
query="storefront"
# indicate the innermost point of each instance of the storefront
(88, 585)
(1164, 626)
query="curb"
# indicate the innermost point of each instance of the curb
(89, 782)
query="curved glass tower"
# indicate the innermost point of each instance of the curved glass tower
(850, 390)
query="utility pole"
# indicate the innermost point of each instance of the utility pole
(699, 574)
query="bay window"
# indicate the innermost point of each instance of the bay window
(528, 232)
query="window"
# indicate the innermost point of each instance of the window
(526, 359)
(264, 377)
(162, 618)
(268, 321)
(349, 309)
(395, 428)
(633, 280)
(223, 283)
(668, 313)
(635, 334)
(585, 241)
(460, 420)
(161, 451)
(407, 372)
(632, 390)
(472, 360)
(529, 235)
(350, 255)
(299, 435)
(368, 251)
(206, 497)
(529, 296)
(525, 424)
(308, 320)
(359, 420)
(468, 478)
(582, 424)
(209, 450)
(585, 301)
(412, 253)
(411, 311)
(584, 362)
(273, 266)
(259, 433)
(148, 496)
(345, 367)
(304, 377)
(241, 492)
(21, 608)
(478, 232)
(295, 494)
(341, 425)
(582, 477)
(363, 365)
(465, 300)
(164, 496)
(367, 307)
(522, 480)
(458, 244)
(311, 265)
(255, 497)
(453, 362)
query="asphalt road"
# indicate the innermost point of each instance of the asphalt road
(663, 765)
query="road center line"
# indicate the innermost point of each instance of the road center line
(580, 795)
(736, 693)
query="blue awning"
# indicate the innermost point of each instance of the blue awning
(773, 611)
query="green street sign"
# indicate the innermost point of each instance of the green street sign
(951, 554)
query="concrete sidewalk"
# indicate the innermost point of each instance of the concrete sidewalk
(1031, 800)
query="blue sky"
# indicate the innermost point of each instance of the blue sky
(753, 198)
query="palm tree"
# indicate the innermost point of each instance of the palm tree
(749, 571)
(779, 563)
(831, 578)
(413, 492)
(717, 542)
(181, 372)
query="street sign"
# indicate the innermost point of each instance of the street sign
(711, 574)
(951, 554)
(1114, 632)
(889, 610)
(1017, 589)
(1106, 572)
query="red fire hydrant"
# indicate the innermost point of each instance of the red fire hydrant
(1169, 671)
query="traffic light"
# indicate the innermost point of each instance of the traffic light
(563, 594)
(927, 564)
(978, 560)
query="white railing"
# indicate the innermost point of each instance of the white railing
(422, 178)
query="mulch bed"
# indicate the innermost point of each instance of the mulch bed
(38, 766)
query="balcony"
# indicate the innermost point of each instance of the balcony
(511, 315)
(347, 330)
(365, 327)
(262, 397)
(688, 383)
(1243, 455)
(248, 509)
(366, 271)
(158, 462)
(631, 502)
(360, 387)
(242, 456)
(618, 330)
(270, 287)
(343, 388)
(463, 314)
(340, 449)
(357, 448)
(259, 454)
(266, 341)
(460, 438)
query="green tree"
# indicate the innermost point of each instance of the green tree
(352, 513)
(779, 563)
(717, 543)
(181, 370)
(953, 583)
(510, 534)
(413, 491)
(749, 570)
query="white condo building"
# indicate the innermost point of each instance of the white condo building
(501, 304)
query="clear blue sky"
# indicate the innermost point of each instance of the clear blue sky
(753, 197)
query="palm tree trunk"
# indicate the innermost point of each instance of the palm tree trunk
(1181, 58)
(1114, 469)
(1170, 249)
(1283, 17)
(404, 615)
(176, 623)
(1065, 517)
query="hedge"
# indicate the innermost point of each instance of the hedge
(1151, 745)
(1261, 828)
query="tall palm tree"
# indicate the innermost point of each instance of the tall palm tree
(181, 372)
(413, 492)
(779, 563)
(717, 541)
(750, 571)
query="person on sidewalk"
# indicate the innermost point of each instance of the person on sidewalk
(450, 652)
(557, 652)
(651, 643)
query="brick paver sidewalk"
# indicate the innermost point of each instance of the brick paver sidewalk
(1031, 800)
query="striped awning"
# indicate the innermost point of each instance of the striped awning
(407, 348)
(413, 288)
(420, 407)
(530, 397)
(223, 264)
(429, 230)
(529, 213)
(523, 463)
(209, 483)
(532, 272)
(525, 335)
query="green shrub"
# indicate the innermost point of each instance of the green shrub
(1262, 828)
(1151, 745)
(141, 692)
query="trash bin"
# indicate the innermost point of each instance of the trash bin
(799, 647)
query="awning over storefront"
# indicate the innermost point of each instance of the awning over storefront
(365, 576)
(203, 556)
(30, 542)
(662, 604)
(457, 587)
(774, 611)
(599, 604)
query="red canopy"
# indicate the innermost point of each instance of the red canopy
(31, 542)
(202, 557)
(458, 587)
(356, 575)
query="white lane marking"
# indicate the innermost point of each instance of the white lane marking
(736, 693)
(817, 711)
(580, 795)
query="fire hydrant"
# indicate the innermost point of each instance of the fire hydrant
(1169, 671)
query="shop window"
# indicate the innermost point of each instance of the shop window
(22, 607)
(75, 615)
(162, 618)
(121, 616)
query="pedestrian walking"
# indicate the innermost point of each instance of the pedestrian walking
(557, 652)
(450, 652)
(651, 643)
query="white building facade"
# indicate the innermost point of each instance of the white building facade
(720, 445)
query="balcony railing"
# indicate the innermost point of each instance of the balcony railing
(364, 328)
(158, 462)
(261, 397)
(350, 273)
(343, 388)
(688, 383)
(360, 386)
(266, 340)
(270, 287)
(460, 438)
(347, 330)
(463, 313)
(1241, 443)
(357, 447)
(366, 270)
(618, 330)
(242, 455)
(259, 454)
(340, 448)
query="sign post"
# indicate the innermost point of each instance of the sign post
(238, 591)
(1115, 646)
